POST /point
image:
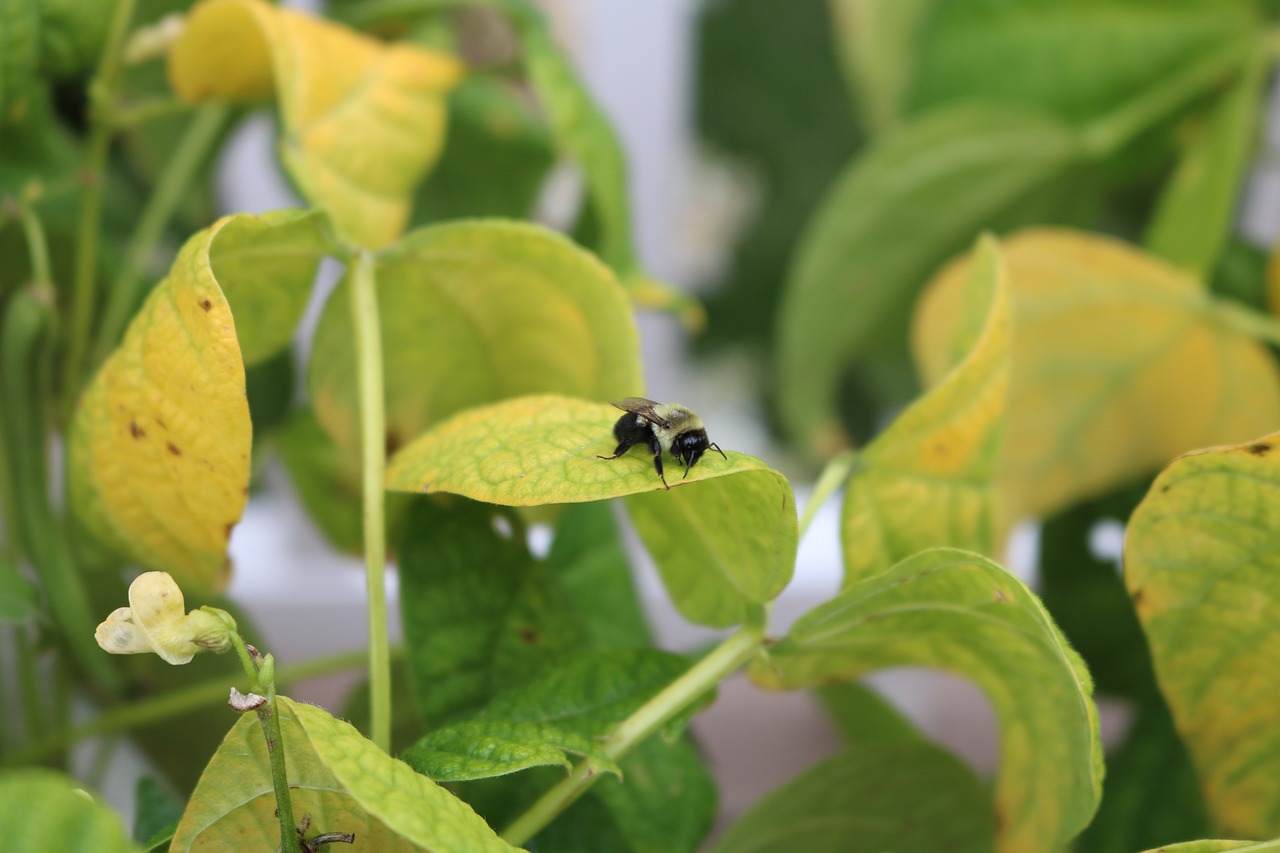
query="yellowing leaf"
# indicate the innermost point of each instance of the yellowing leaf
(929, 479)
(724, 538)
(362, 121)
(159, 449)
(1202, 563)
(472, 313)
(960, 612)
(336, 777)
(1119, 362)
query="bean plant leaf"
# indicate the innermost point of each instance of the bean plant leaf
(863, 716)
(539, 450)
(265, 266)
(472, 313)
(1162, 374)
(582, 131)
(159, 448)
(1079, 59)
(929, 479)
(877, 44)
(480, 613)
(19, 58)
(661, 778)
(326, 480)
(909, 797)
(1201, 558)
(567, 710)
(338, 778)
(357, 135)
(958, 611)
(917, 196)
(45, 810)
(1197, 208)
(1219, 847)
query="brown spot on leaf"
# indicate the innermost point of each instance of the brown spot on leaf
(1166, 487)
(1260, 449)
(227, 530)
(529, 635)
(161, 424)
(136, 431)
(206, 304)
(174, 449)
(1136, 595)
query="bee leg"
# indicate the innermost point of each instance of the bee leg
(622, 448)
(656, 449)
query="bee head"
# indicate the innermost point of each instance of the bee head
(689, 446)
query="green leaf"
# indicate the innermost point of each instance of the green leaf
(724, 547)
(582, 131)
(917, 196)
(543, 450)
(19, 57)
(871, 799)
(71, 34)
(1201, 558)
(480, 614)
(1078, 59)
(588, 559)
(1165, 373)
(46, 810)
(961, 612)
(930, 478)
(1219, 847)
(565, 710)
(877, 44)
(18, 601)
(667, 779)
(338, 778)
(1197, 209)
(156, 813)
(864, 717)
(472, 313)
(265, 265)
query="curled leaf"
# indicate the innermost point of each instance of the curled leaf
(358, 134)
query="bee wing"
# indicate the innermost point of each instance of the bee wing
(646, 409)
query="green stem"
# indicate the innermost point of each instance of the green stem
(1247, 321)
(25, 324)
(833, 477)
(373, 431)
(148, 110)
(37, 247)
(736, 650)
(269, 717)
(142, 712)
(1113, 131)
(203, 130)
(101, 91)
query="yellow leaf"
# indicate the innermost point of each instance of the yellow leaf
(363, 121)
(929, 479)
(1119, 364)
(1202, 553)
(159, 449)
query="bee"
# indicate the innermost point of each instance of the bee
(663, 427)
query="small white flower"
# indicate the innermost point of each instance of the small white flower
(156, 621)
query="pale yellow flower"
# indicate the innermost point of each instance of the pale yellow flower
(156, 621)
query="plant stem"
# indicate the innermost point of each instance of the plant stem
(269, 717)
(139, 713)
(1123, 124)
(203, 130)
(736, 650)
(37, 247)
(102, 90)
(833, 477)
(1247, 321)
(364, 312)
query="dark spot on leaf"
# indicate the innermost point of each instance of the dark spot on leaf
(174, 449)
(529, 635)
(161, 424)
(1260, 449)
(1136, 595)
(392, 441)
(136, 431)
(1166, 487)
(206, 304)
(230, 526)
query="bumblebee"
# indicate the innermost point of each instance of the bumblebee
(663, 428)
